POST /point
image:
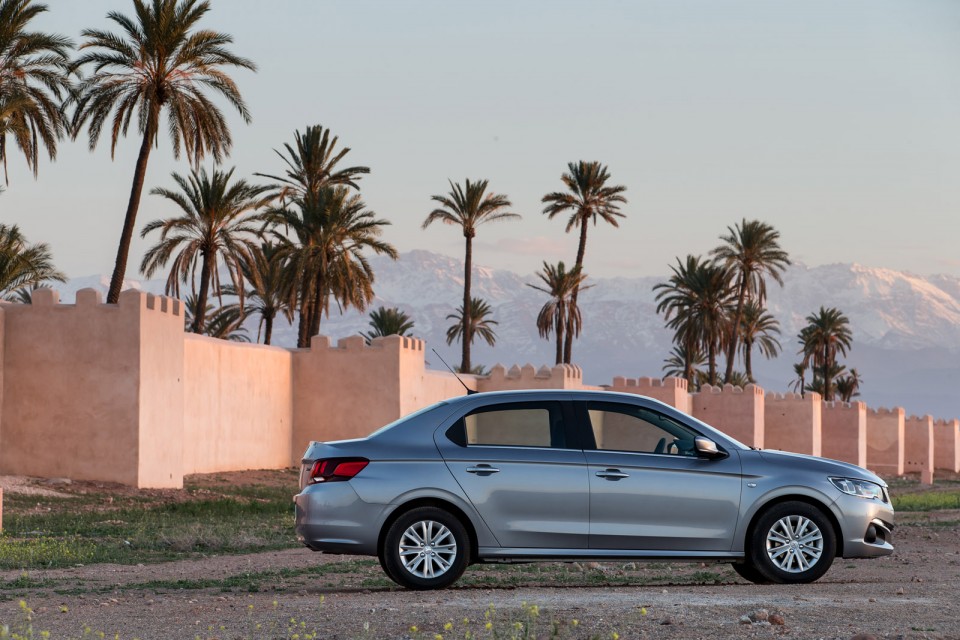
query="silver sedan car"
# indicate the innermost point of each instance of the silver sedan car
(573, 475)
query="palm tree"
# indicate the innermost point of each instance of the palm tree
(757, 327)
(751, 250)
(312, 165)
(588, 199)
(683, 364)
(848, 386)
(325, 257)
(34, 69)
(560, 314)
(23, 265)
(225, 323)
(264, 270)
(159, 60)
(480, 324)
(468, 207)
(388, 322)
(800, 384)
(216, 226)
(695, 303)
(827, 334)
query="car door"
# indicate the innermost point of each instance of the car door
(520, 467)
(649, 490)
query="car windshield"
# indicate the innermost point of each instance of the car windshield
(403, 419)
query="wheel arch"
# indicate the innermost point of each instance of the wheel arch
(795, 497)
(430, 501)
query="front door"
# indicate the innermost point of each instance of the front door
(648, 488)
(519, 467)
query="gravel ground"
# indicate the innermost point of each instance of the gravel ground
(913, 594)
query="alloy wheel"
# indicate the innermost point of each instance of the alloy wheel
(794, 544)
(427, 549)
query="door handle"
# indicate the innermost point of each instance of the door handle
(483, 469)
(612, 474)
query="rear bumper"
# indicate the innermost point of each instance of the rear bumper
(332, 518)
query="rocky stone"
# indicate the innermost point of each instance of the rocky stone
(900, 591)
(864, 636)
(760, 615)
(777, 619)
(745, 620)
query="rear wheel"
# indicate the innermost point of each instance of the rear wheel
(792, 542)
(425, 548)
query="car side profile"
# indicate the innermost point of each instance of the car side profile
(581, 475)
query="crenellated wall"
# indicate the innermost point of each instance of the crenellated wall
(844, 432)
(946, 445)
(120, 393)
(86, 396)
(238, 405)
(918, 447)
(561, 376)
(791, 422)
(671, 391)
(735, 411)
(885, 440)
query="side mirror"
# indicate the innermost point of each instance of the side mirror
(707, 448)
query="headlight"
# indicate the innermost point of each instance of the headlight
(862, 488)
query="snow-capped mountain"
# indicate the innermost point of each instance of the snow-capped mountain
(906, 328)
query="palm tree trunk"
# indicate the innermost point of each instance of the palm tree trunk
(735, 329)
(467, 338)
(200, 313)
(561, 324)
(712, 359)
(306, 308)
(267, 328)
(130, 221)
(827, 367)
(581, 250)
(748, 359)
(318, 298)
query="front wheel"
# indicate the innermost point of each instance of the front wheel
(426, 548)
(792, 542)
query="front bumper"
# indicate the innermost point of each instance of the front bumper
(332, 518)
(867, 527)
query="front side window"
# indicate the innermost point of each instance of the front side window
(618, 427)
(520, 424)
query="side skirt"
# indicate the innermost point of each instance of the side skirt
(517, 554)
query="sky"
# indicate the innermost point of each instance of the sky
(836, 122)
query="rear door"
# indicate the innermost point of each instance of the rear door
(648, 488)
(520, 465)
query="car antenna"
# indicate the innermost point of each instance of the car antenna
(470, 391)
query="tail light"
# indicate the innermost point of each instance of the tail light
(336, 469)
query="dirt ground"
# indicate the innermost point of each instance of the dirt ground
(294, 593)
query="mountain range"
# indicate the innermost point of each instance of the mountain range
(906, 328)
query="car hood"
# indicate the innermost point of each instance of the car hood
(823, 465)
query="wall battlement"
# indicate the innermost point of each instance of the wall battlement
(44, 298)
(940, 422)
(883, 411)
(750, 389)
(358, 343)
(792, 397)
(839, 405)
(560, 372)
(621, 382)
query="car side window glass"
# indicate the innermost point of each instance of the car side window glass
(516, 425)
(635, 429)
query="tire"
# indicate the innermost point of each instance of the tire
(792, 543)
(749, 573)
(386, 568)
(436, 549)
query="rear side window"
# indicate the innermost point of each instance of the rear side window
(520, 424)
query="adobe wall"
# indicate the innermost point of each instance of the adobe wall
(885, 441)
(946, 445)
(735, 411)
(918, 447)
(792, 422)
(237, 406)
(75, 402)
(343, 391)
(561, 376)
(844, 432)
(671, 391)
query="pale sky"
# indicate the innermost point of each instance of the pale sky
(837, 122)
